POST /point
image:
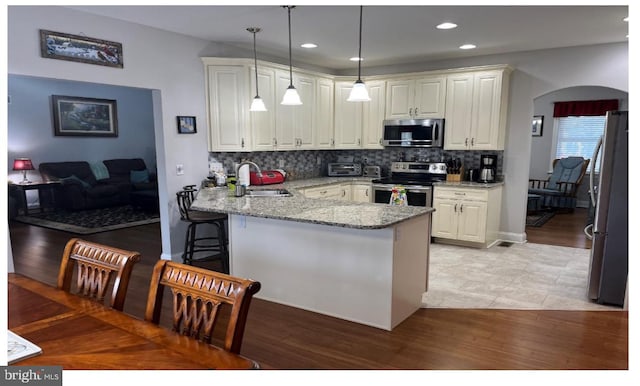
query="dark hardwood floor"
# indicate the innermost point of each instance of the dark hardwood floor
(282, 337)
(564, 229)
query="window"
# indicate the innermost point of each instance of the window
(578, 136)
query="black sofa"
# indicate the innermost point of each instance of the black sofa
(81, 190)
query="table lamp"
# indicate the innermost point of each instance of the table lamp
(23, 164)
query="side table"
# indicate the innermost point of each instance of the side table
(46, 196)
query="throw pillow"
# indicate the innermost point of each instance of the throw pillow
(99, 170)
(73, 177)
(139, 176)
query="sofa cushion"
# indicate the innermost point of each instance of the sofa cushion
(103, 190)
(139, 176)
(99, 170)
(56, 170)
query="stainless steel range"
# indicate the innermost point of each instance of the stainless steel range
(416, 177)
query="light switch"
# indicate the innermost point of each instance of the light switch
(179, 169)
(281, 163)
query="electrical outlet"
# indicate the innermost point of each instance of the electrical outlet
(365, 160)
(281, 163)
(179, 169)
(318, 161)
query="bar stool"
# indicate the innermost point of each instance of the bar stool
(196, 245)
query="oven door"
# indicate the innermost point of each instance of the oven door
(416, 195)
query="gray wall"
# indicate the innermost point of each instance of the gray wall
(30, 124)
(542, 147)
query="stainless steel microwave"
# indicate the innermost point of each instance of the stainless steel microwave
(413, 132)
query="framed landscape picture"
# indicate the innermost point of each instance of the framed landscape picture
(536, 126)
(76, 48)
(77, 116)
(186, 125)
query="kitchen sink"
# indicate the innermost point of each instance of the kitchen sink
(268, 193)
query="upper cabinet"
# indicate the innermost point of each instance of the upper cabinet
(358, 125)
(422, 97)
(228, 108)
(473, 103)
(476, 110)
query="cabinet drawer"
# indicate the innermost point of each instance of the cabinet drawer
(464, 194)
(326, 191)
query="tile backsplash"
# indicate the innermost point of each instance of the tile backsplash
(300, 164)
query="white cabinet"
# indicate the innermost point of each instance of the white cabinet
(476, 110)
(358, 125)
(337, 191)
(416, 98)
(360, 192)
(228, 104)
(373, 115)
(467, 216)
(348, 118)
(324, 114)
(263, 123)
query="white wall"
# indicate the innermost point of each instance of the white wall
(170, 63)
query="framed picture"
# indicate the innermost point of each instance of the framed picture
(536, 127)
(76, 116)
(186, 125)
(76, 48)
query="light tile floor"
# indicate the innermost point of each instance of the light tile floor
(521, 276)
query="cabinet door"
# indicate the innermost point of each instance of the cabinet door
(400, 94)
(485, 126)
(472, 224)
(348, 118)
(429, 97)
(458, 112)
(285, 115)
(361, 193)
(228, 101)
(324, 116)
(304, 115)
(445, 218)
(373, 116)
(263, 123)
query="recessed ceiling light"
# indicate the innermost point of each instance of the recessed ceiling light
(309, 45)
(467, 46)
(355, 59)
(446, 25)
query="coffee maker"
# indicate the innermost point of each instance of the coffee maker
(488, 168)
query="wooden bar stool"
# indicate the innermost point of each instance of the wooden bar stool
(194, 245)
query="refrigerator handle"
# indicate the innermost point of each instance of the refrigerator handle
(593, 171)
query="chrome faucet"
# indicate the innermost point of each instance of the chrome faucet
(258, 173)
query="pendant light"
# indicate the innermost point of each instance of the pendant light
(291, 96)
(257, 104)
(359, 91)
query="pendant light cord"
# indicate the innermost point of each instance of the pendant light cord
(290, 66)
(255, 57)
(360, 46)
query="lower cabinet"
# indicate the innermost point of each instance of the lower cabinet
(467, 216)
(361, 192)
(333, 191)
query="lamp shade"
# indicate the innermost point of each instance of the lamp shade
(23, 164)
(359, 93)
(291, 97)
(257, 105)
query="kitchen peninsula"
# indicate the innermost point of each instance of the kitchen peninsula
(363, 262)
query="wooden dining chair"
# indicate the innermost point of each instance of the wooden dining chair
(197, 296)
(97, 265)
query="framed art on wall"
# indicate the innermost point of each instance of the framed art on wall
(76, 48)
(536, 127)
(77, 116)
(186, 125)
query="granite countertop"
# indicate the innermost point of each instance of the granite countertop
(349, 214)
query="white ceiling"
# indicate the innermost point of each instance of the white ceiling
(391, 34)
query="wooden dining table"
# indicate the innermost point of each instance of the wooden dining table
(81, 334)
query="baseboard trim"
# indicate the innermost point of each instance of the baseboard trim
(513, 237)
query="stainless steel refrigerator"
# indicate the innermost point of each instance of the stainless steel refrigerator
(609, 266)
